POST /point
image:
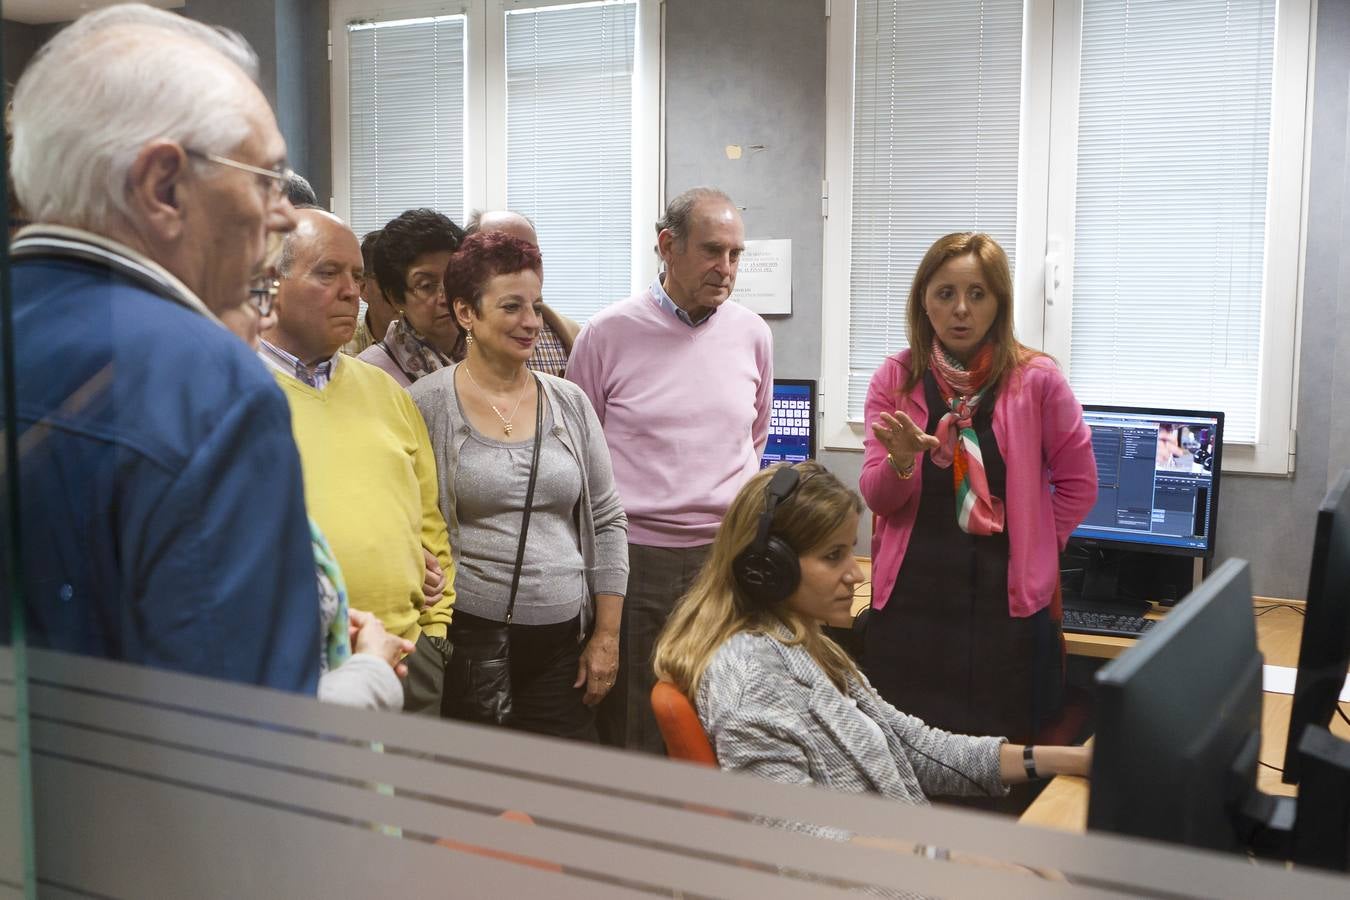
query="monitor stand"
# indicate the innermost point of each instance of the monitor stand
(1321, 835)
(1312, 830)
(1124, 582)
(1100, 591)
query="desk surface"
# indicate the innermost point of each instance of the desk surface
(1279, 628)
(1063, 804)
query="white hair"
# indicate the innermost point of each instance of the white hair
(106, 86)
(229, 44)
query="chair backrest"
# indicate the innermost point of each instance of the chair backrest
(680, 727)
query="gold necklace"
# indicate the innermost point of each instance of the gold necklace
(506, 420)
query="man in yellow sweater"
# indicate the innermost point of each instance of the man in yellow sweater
(370, 477)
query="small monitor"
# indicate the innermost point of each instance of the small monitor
(1157, 480)
(1179, 722)
(1324, 652)
(792, 425)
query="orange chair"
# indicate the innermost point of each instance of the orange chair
(510, 815)
(680, 727)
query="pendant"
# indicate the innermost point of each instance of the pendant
(507, 426)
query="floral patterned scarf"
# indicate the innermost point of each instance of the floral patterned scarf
(410, 351)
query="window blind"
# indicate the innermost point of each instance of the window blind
(569, 113)
(407, 86)
(1173, 138)
(936, 103)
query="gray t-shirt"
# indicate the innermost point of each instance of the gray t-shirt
(490, 486)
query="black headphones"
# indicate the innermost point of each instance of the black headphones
(768, 570)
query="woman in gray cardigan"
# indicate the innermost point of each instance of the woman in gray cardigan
(780, 699)
(481, 415)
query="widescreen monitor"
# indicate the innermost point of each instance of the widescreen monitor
(1324, 651)
(792, 424)
(1179, 722)
(1157, 480)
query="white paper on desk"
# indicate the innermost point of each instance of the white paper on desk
(1280, 680)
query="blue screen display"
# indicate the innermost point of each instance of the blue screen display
(792, 426)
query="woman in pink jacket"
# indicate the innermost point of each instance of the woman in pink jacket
(978, 465)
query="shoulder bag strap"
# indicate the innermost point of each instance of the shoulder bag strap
(529, 493)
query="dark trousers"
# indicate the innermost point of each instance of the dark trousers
(544, 660)
(426, 676)
(657, 578)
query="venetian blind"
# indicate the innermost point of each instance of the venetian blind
(569, 113)
(1173, 141)
(407, 118)
(936, 96)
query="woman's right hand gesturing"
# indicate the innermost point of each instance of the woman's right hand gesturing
(902, 439)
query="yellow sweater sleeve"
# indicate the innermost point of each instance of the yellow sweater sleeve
(435, 536)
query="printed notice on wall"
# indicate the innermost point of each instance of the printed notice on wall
(764, 278)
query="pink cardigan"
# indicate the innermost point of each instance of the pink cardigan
(1052, 477)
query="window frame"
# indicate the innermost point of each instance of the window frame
(1048, 143)
(485, 106)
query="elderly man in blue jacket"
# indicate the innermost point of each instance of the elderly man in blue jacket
(161, 503)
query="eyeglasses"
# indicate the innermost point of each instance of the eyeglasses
(427, 290)
(277, 180)
(262, 294)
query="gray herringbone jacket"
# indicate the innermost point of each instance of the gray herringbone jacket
(770, 710)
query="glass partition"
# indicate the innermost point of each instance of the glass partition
(17, 870)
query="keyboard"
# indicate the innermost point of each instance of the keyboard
(1111, 624)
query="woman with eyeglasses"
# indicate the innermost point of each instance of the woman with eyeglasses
(409, 262)
(249, 320)
(512, 443)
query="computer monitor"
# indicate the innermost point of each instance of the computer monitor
(1179, 722)
(1157, 479)
(792, 424)
(1324, 652)
(1158, 475)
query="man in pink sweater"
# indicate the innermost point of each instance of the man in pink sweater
(682, 382)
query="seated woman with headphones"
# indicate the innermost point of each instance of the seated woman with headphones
(780, 699)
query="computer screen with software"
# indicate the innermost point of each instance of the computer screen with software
(792, 424)
(1157, 479)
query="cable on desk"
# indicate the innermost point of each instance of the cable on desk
(1341, 711)
(1262, 610)
(1269, 766)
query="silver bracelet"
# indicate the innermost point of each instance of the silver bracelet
(1029, 762)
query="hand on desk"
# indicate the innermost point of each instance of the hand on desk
(1050, 761)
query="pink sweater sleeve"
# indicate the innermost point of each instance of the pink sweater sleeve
(885, 492)
(759, 432)
(583, 370)
(1066, 443)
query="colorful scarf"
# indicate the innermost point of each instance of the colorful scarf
(410, 351)
(333, 616)
(963, 388)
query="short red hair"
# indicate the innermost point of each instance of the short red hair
(483, 256)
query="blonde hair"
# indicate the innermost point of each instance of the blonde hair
(1009, 353)
(715, 608)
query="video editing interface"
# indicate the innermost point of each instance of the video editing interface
(1155, 478)
(792, 423)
